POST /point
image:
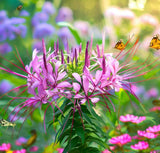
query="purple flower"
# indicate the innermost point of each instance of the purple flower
(43, 30)
(21, 30)
(11, 27)
(5, 86)
(37, 45)
(3, 16)
(83, 28)
(5, 48)
(39, 17)
(24, 13)
(48, 8)
(64, 14)
(20, 141)
(16, 20)
(65, 35)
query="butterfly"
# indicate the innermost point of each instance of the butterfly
(19, 7)
(155, 42)
(6, 123)
(120, 45)
(31, 140)
(156, 102)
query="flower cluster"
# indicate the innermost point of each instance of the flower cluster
(124, 139)
(39, 22)
(7, 148)
(10, 28)
(48, 80)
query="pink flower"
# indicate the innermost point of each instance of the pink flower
(154, 129)
(121, 140)
(154, 151)
(60, 150)
(156, 108)
(33, 149)
(20, 151)
(152, 93)
(20, 141)
(5, 147)
(141, 145)
(148, 135)
(132, 118)
(106, 151)
(149, 19)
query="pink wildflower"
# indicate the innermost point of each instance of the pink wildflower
(20, 151)
(20, 141)
(152, 93)
(106, 151)
(156, 108)
(5, 147)
(121, 140)
(33, 149)
(141, 145)
(148, 135)
(154, 151)
(132, 118)
(60, 150)
(148, 19)
(154, 129)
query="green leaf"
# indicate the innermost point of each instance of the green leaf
(151, 73)
(80, 133)
(150, 119)
(90, 108)
(91, 150)
(72, 29)
(75, 142)
(97, 141)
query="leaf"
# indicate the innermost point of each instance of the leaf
(150, 119)
(97, 140)
(72, 30)
(91, 150)
(72, 143)
(90, 108)
(80, 132)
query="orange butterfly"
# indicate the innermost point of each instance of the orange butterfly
(155, 42)
(19, 7)
(120, 45)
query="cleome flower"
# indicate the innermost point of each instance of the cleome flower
(132, 118)
(54, 75)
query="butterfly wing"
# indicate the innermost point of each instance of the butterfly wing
(120, 45)
(155, 42)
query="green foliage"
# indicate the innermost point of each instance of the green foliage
(80, 127)
(72, 29)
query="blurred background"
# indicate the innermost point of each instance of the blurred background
(23, 24)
